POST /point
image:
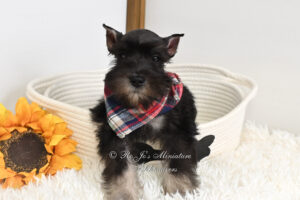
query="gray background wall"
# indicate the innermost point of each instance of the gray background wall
(43, 38)
(258, 38)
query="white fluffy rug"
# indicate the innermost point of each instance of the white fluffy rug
(265, 166)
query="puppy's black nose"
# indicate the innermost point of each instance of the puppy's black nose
(137, 80)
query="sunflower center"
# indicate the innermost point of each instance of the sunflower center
(25, 152)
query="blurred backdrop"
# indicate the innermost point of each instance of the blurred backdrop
(258, 38)
(41, 38)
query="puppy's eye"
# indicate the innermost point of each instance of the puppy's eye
(156, 58)
(122, 55)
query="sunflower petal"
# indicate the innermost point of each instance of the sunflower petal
(25, 174)
(3, 131)
(49, 124)
(57, 120)
(68, 161)
(48, 133)
(65, 147)
(2, 113)
(23, 111)
(56, 164)
(44, 168)
(14, 182)
(49, 148)
(28, 176)
(72, 161)
(6, 173)
(35, 126)
(9, 120)
(36, 112)
(2, 163)
(56, 139)
(5, 137)
(20, 129)
(60, 128)
(68, 132)
(45, 122)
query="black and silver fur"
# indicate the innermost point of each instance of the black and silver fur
(138, 77)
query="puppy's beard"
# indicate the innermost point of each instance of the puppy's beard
(131, 97)
(135, 95)
(139, 96)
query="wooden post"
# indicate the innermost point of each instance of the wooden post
(135, 14)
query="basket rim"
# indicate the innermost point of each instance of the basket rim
(33, 95)
(241, 79)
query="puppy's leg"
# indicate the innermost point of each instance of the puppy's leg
(180, 173)
(119, 175)
(124, 186)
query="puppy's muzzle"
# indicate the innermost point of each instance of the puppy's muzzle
(137, 80)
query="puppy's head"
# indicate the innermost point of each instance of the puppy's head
(138, 76)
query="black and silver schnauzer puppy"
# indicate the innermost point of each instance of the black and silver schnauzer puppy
(145, 107)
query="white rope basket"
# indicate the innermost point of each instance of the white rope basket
(221, 98)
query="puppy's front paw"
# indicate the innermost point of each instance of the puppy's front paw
(121, 195)
(124, 187)
(172, 183)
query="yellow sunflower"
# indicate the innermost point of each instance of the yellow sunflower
(32, 143)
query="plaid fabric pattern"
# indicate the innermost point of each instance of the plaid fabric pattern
(123, 121)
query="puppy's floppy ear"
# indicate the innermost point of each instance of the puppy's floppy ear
(112, 37)
(173, 42)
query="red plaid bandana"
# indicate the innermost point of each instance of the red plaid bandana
(123, 121)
